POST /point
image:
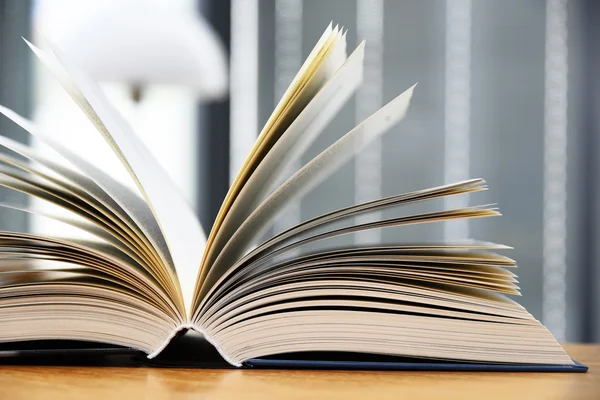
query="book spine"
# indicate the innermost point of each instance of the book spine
(201, 331)
(210, 340)
(169, 338)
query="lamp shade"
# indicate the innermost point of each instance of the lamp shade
(138, 43)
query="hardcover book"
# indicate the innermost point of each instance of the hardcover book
(145, 272)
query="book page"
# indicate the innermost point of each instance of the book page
(102, 226)
(77, 304)
(307, 228)
(118, 198)
(302, 89)
(438, 216)
(90, 249)
(82, 253)
(295, 140)
(469, 264)
(325, 223)
(304, 325)
(305, 180)
(81, 224)
(277, 257)
(177, 221)
(127, 206)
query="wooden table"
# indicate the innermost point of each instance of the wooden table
(109, 383)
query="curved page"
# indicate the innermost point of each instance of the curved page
(178, 223)
(313, 173)
(295, 140)
(312, 75)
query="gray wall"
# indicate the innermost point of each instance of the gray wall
(15, 93)
(507, 77)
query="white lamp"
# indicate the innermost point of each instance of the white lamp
(138, 43)
(125, 45)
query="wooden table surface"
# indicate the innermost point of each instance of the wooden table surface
(110, 383)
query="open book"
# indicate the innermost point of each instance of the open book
(147, 271)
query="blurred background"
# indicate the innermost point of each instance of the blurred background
(508, 91)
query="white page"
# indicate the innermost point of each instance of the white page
(79, 179)
(297, 138)
(314, 73)
(181, 229)
(317, 170)
(320, 223)
(108, 192)
(142, 224)
(84, 225)
(56, 196)
(305, 228)
(269, 260)
(96, 248)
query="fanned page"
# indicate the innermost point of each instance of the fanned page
(304, 180)
(128, 209)
(136, 249)
(178, 223)
(320, 64)
(298, 293)
(128, 276)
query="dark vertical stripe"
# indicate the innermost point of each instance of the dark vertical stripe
(590, 278)
(15, 90)
(213, 129)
